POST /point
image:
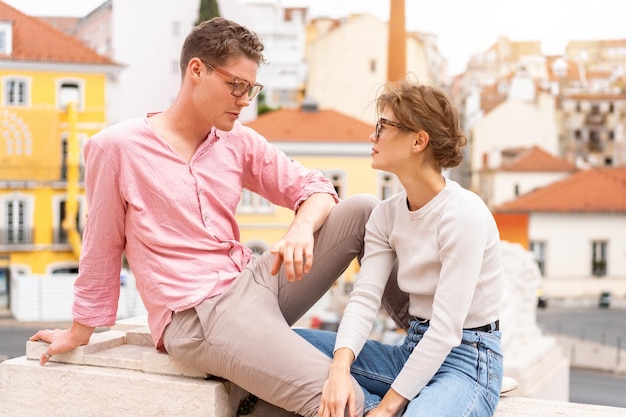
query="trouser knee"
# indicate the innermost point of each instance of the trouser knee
(358, 205)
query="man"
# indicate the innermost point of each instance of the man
(164, 188)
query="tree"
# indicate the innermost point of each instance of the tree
(208, 10)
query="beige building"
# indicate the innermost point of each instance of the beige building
(347, 63)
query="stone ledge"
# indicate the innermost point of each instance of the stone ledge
(119, 373)
(119, 349)
(520, 406)
(69, 390)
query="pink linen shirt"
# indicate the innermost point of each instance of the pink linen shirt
(175, 220)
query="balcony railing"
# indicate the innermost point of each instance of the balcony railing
(598, 268)
(60, 236)
(16, 236)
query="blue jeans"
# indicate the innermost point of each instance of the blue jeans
(467, 384)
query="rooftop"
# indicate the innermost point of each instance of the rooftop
(296, 125)
(598, 190)
(35, 40)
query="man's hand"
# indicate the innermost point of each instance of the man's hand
(295, 253)
(62, 341)
(295, 250)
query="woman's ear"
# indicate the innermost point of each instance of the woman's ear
(420, 140)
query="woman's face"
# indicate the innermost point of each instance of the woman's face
(392, 144)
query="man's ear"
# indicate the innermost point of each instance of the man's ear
(194, 68)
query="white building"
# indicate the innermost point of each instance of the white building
(525, 119)
(575, 226)
(516, 171)
(146, 37)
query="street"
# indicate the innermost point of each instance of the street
(587, 387)
(602, 325)
(13, 335)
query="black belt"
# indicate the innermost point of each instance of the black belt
(491, 327)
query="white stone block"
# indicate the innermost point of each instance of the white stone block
(156, 362)
(547, 377)
(55, 389)
(139, 336)
(97, 342)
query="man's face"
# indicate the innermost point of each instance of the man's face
(217, 90)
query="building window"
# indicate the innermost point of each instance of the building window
(252, 203)
(6, 38)
(338, 179)
(16, 220)
(59, 204)
(70, 91)
(285, 97)
(389, 185)
(598, 258)
(595, 141)
(538, 250)
(16, 91)
(65, 155)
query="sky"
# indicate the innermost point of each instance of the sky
(463, 27)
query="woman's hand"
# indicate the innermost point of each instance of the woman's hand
(338, 391)
(392, 405)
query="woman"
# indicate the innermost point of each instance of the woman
(447, 249)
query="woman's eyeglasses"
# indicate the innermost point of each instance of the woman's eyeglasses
(382, 121)
(240, 87)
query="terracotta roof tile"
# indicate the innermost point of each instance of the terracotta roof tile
(535, 159)
(295, 125)
(36, 40)
(598, 190)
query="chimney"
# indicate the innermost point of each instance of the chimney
(396, 49)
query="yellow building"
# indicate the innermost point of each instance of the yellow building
(53, 97)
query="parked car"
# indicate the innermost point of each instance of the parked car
(605, 299)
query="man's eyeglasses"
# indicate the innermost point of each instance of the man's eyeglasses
(382, 121)
(240, 87)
